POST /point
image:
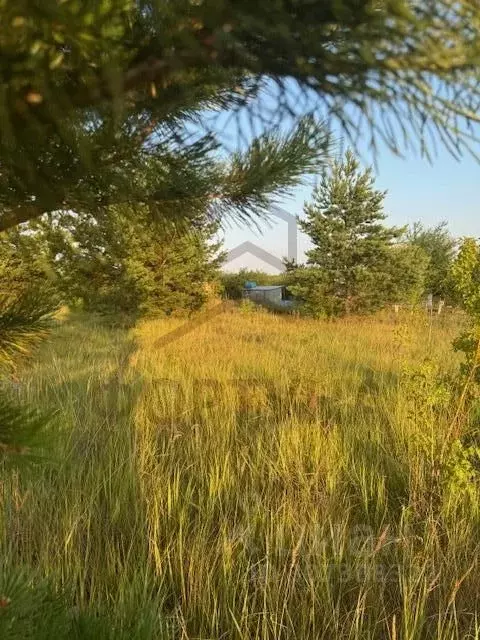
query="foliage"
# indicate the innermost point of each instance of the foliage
(454, 457)
(93, 91)
(466, 280)
(460, 451)
(466, 276)
(32, 608)
(27, 302)
(123, 263)
(140, 151)
(29, 612)
(24, 269)
(357, 266)
(27, 295)
(404, 274)
(440, 247)
(24, 321)
(462, 468)
(311, 289)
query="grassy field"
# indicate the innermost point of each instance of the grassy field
(258, 477)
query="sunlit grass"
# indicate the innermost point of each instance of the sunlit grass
(259, 477)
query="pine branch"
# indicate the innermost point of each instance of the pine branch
(421, 54)
(22, 433)
(270, 169)
(86, 91)
(24, 322)
(177, 184)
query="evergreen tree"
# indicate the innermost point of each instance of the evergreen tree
(355, 266)
(124, 263)
(440, 247)
(465, 274)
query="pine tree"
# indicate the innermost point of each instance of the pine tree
(125, 264)
(354, 266)
(26, 313)
(92, 91)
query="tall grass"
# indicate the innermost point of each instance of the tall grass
(259, 477)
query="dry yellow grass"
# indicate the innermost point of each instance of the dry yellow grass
(258, 477)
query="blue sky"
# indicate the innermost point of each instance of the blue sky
(446, 189)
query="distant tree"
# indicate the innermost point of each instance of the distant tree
(465, 275)
(356, 264)
(440, 247)
(123, 263)
(402, 279)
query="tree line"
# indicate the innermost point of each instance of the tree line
(125, 264)
(358, 264)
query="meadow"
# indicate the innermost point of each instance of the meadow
(257, 477)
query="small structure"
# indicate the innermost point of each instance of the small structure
(270, 295)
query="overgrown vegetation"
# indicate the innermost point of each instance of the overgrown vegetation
(241, 475)
(124, 264)
(259, 477)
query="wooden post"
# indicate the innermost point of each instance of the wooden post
(430, 302)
